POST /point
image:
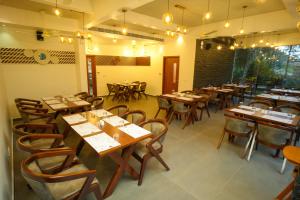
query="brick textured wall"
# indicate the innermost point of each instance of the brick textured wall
(212, 66)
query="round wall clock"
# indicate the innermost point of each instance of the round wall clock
(42, 57)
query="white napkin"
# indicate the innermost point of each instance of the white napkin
(279, 119)
(101, 142)
(54, 101)
(48, 98)
(101, 113)
(74, 119)
(134, 130)
(242, 111)
(86, 129)
(115, 121)
(81, 103)
(58, 106)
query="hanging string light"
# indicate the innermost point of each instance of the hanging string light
(167, 16)
(242, 27)
(56, 10)
(227, 24)
(208, 13)
(124, 28)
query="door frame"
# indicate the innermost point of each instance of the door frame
(94, 77)
(163, 73)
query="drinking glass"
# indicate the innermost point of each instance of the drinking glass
(116, 136)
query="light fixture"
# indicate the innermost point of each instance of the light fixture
(227, 24)
(181, 28)
(56, 10)
(208, 13)
(168, 32)
(124, 29)
(231, 47)
(180, 39)
(62, 39)
(115, 40)
(167, 16)
(242, 26)
(219, 47)
(82, 34)
(172, 34)
(253, 45)
(267, 43)
(261, 41)
(70, 40)
(184, 30)
(133, 42)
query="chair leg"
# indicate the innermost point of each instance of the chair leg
(156, 113)
(171, 117)
(221, 139)
(97, 193)
(206, 108)
(187, 120)
(201, 113)
(157, 156)
(143, 167)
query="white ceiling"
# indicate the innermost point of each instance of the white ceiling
(196, 8)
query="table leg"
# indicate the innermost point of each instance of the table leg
(122, 161)
(252, 145)
(79, 146)
(283, 166)
(66, 131)
(247, 145)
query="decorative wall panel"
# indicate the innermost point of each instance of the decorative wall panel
(34, 56)
(122, 60)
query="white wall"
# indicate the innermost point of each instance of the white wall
(118, 74)
(5, 144)
(34, 80)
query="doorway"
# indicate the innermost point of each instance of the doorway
(170, 74)
(91, 75)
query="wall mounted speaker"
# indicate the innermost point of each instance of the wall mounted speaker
(39, 35)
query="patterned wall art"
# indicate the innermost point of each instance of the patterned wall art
(122, 60)
(36, 56)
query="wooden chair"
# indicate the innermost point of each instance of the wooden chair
(28, 101)
(118, 110)
(288, 108)
(187, 92)
(97, 103)
(261, 104)
(135, 116)
(180, 110)
(203, 105)
(71, 180)
(82, 95)
(163, 104)
(119, 93)
(274, 136)
(215, 100)
(151, 147)
(110, 88)
(236, 126)
(31, 114)
(142, 90)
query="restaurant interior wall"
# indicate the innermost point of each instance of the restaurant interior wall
(36, 80)
(5, 143)
(119, 74)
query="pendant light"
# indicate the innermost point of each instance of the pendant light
(82, 34)
(242, 27)
(124, 28)
(181, 28)
(227, 24)
(208, 13)
(167, 16)
(56, 10)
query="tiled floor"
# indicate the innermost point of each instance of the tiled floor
(198, 169)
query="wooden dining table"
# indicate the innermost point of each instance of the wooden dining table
(291, 92)
(279, 98)
(111, 131)
(262, 115)
(188, 99)
(224, 93)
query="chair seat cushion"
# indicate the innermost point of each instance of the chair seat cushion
(272, 135)
(61, 190)
(141, 148)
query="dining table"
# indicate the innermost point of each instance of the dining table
(276, 99)
(107, 135)
(190, 100)
(263, 115)
(291, 92)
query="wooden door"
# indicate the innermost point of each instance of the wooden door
(91, 75)
(170, 74)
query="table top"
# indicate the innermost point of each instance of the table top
(126, 84)
(291, 99)
(185, 98)
(225, 90)
(266, 115)
(288, 91)
(59, 102)
(236, 85)
(114, 132)
(292, 153)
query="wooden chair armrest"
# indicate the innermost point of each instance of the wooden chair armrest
(155, 139)
(30, 100)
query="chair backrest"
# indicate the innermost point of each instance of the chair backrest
(157, 127)
(82, 95)
(29, 113)
(163, 103)
(143, 86)
(97, 102)
(179, 106)
(24, 100)
(30, 128)
(292, 109)
(135, 116)
(110, 87)
(118, 110)
(187, 92)
(236, 124)
(261, 104)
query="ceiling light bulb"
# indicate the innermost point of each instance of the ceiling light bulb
(253, 45)
(219, 47)
(184, 30)
(115, 40)
(89, 36)
(70, 40)
(124, 30)
(242, 31)
(231, 47)
(227, 24)
(172, 34)
(236, 44)
(267, 43)
(57, 12)
(208, 15)
(272, 46)
(168, 18)
(261, 41)
(62, 39)
(133, 42)
(180, 39)
(178, 29)
(78, 34)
